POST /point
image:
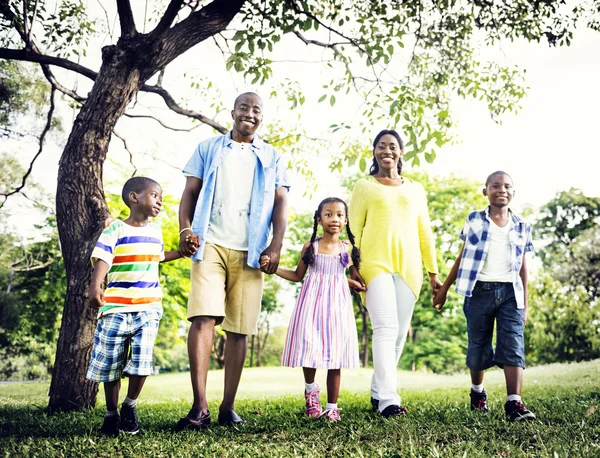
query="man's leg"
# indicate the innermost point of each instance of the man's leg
(200, 341)
(235, 356)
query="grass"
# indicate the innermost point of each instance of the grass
(565, 397)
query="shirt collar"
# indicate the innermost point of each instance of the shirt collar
(514, 219)
(257, 146)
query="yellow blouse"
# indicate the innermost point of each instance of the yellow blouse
(392, 229)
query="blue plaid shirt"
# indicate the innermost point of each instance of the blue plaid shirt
(475, 234)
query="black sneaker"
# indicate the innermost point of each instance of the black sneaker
(479, 401)
(129, 420)
(516, 411)
(393, 411)
(110, 427)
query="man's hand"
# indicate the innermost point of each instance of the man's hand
(270, 259)
(96, 296)
(188, 243)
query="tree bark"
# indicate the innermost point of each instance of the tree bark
(364, 338)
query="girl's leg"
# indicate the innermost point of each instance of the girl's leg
(382, 307)
(333, 385)
(309, 374)
(405, 302)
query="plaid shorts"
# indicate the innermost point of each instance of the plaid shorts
(123, 343)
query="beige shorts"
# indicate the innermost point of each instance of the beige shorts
(223, 285)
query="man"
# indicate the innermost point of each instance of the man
(236, 188)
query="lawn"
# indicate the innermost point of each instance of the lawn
(565, 397)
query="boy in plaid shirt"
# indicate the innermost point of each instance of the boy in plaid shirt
(130, 308)
(491, 273)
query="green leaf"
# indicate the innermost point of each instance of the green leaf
(332, 100)
(362, 164)
(323, 97)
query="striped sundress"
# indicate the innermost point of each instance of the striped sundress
(322, 331)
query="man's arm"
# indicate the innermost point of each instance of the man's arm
(279, 221)
(188, 241)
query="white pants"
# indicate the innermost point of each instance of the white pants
(390, 303)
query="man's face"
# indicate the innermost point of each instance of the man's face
(247, 115)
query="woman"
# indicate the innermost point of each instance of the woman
(390, 220)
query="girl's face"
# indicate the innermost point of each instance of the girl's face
(387, 152)
(333, 217)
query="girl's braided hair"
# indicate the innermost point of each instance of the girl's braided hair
(309, 255)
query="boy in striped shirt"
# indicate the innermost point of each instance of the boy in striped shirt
(130, 308)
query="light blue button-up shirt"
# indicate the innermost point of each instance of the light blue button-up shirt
(270, 173)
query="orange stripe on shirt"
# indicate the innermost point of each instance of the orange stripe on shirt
(129, 300)
(136, 258)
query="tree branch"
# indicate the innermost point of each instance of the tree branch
(183, 111)
(168, 18)
(126, 18)
(34, 56)
(175, 129)
(126, 149)
(41, 142)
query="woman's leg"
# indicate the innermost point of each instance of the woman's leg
(382, 307)
(405, 302)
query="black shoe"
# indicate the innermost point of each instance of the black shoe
(479, 401)
(516, 411)
(129, 420)
(393, 411)
(110, 427)
(230, 418)
(194, 420)
(374, 404)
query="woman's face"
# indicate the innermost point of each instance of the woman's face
(387, 152)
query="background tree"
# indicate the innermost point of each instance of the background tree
(361, 39)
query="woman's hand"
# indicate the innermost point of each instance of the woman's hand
(356, 278)
(435, 283)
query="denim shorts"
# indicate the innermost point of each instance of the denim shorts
(494, 302)
(123, 343)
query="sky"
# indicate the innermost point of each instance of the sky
(549, 146)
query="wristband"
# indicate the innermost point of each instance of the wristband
(185, 229)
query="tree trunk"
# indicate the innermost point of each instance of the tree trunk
(364, 337)
(252, 351)
(81, 212)
(262, 345)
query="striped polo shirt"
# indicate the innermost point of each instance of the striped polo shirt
(133, 254)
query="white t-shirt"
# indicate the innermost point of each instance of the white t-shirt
(230, 213)
(497, 265)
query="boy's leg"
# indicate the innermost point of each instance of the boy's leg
(477, 377)
(514, 379)
(111, 394)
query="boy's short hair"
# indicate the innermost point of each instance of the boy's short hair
(137, 185)
(493, 174)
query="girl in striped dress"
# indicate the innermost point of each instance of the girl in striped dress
(322, 330)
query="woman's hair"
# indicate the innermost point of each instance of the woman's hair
(375, 166)
(309, 255)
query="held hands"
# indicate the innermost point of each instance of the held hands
(269, 260)
(355, 282)
(438, 292)
(96, 296)
(188, 243)
(439, 299)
